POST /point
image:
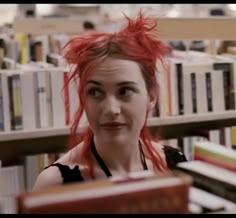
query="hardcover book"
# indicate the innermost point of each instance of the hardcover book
(167, 193)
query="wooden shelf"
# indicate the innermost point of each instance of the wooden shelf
(17, 143)
(180, 28)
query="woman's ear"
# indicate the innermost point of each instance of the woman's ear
(152, 101)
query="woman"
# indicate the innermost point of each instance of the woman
(117, 90)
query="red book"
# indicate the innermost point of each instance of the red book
(166, 193)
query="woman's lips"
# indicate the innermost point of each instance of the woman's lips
(113, 126)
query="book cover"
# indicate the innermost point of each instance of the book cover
(153, 194)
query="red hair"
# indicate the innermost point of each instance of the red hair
(138, 42)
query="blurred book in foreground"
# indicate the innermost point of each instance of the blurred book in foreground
(165, 193)
(215, 154)
(211, 178)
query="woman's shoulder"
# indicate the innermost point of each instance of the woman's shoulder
(172, 155)
(48, 177)
(60, 171)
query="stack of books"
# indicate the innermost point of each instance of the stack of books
(213, 173)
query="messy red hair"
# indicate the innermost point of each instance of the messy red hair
(139, 42)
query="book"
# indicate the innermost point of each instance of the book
(164, 193)
(5, 101)
(216, 154)
(225, 67)
(211, 178)
(29, 94)
(58, 107)
(11, 184)
(209, 202)
(233, 137)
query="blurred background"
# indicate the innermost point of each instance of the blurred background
(9, 12)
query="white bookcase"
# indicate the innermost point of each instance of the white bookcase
(50, 140)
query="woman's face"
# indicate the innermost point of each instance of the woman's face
(116, 101)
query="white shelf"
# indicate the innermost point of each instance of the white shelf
(37, 133)
(191, 119)
(17, 143)
(154, 122)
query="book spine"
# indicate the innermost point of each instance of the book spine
(6, 102)
(194, 92)
(218, 101)
(225, 67)
(214, 157)
(209, 91)
(201, 92)
(180, 88)
(17, 102)
(49, 98)
(209, 184)
(41, 76)
(173, 89)
(11, 101)
(1, 107)
(187, 92)
(58, 107)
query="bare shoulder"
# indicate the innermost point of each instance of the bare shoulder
(51, 175)
(48, 177)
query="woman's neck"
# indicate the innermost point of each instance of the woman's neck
(120, 158)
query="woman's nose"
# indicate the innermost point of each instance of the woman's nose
(112, 106)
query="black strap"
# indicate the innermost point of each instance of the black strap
(103, 165)
(142, 156)
(68, 175)
(100, 160)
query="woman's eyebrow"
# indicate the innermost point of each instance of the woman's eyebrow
(93, 82)
(126, 83)
(118, 84)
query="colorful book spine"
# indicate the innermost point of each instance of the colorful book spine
(215, 154)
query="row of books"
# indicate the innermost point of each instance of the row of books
(23, 48)
(33, 97)
(203, 185)
(195, 82)
(225, 136)
(213, 171)
(15, 179)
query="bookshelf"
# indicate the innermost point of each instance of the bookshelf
(19, 143)
(170, 28)
(13, 144)
(50, 140)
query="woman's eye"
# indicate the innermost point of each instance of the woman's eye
(95, 93)
(125, 91)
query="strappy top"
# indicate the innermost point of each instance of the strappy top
(173, 156)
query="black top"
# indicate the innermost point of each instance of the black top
(173, 156)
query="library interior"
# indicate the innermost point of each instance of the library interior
(47, 104)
